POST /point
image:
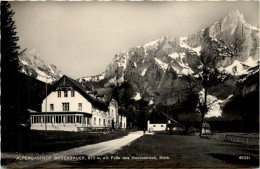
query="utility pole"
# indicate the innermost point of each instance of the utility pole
(46, 90)
(118, 97)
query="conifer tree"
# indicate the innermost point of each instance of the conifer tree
(9, 68)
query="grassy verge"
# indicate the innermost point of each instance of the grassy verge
(51, 141)
(178, 151)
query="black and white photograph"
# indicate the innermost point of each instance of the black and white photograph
(130, 84)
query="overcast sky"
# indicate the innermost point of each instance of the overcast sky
(81, 38)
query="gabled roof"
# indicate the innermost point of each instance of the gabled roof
(66, 81)
(170, 118)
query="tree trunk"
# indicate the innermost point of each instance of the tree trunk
(203, 109)
(201, 122)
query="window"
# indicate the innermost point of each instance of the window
(65, 106)
(57, 119)
(154, 125)
(112, 112)
(161, 125)
(99, 121)
(72, 93)
(80, 106)
(51, 107)
(59, 93)
(104, 122)
(108, 122)
(65, 93)
(70, 119)
(94, 120)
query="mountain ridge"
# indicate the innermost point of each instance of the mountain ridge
(158, 66)
(31, 64)
(157, 70)
(193, 41)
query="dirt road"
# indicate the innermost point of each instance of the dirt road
(98, 149)
(102, 148)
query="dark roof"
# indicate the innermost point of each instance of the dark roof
(99, 95)
(52, 113)
(65, 80)
(173, 125)
(92, 92)
(170, 118)
(206, 125)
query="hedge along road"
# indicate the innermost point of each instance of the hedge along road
(98, 149)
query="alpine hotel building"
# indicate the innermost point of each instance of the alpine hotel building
(70, 106)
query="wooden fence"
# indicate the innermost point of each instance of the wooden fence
(238, 138)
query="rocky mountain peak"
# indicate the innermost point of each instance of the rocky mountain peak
(160, 65)
(235, 14)
(32, 65)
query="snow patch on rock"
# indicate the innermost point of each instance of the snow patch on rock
(153, 43)
(23, 62)
(42, 76)
(213, 105)
(187, 71)
(236, 68)
(251, 62)
(184, 45)
(174, 55)
(163, 65)
(96, 78)
(121, 79)
(135, 65)
(111, 81)
(150, 102)
(180, 59)
(137, 96)
(143, 72)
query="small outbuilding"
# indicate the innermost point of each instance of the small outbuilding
(205, 128)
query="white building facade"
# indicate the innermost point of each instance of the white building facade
(156, 126)
(69, 107)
